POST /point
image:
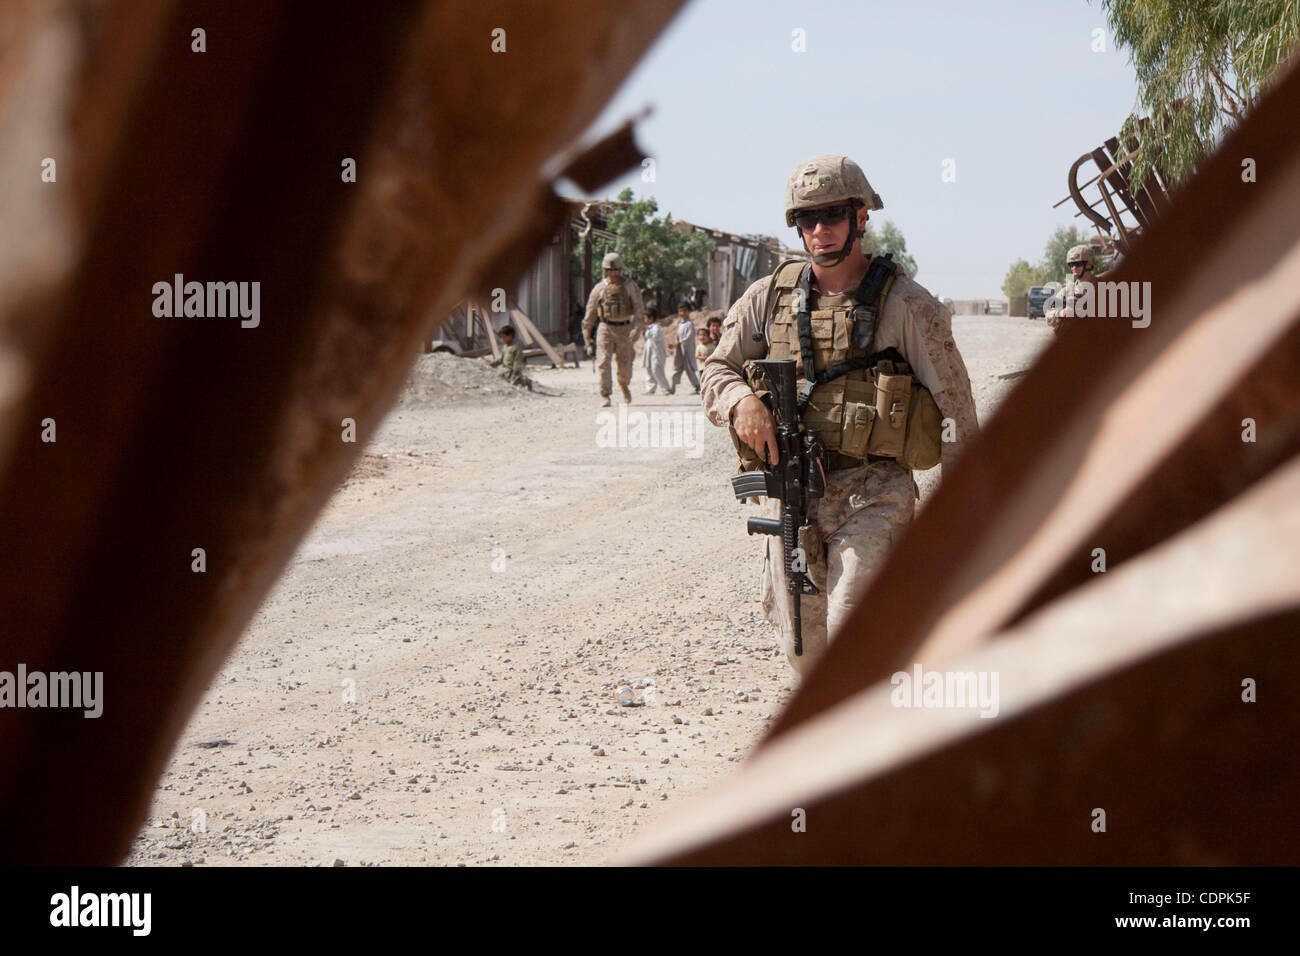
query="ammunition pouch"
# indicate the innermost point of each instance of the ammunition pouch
(892, 416)
(924, 439)
(893, 400)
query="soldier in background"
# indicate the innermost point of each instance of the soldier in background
(684, 349)
(614, 303)
(869, 498)
(1081, 261)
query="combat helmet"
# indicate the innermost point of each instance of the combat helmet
(823, 181)
(1083, 254)
(612, 260)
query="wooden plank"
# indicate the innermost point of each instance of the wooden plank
(485, 319)
(524, 322)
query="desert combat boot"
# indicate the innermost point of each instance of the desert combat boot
(627, 394)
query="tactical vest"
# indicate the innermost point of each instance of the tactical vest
(615, 303)
(861, 403)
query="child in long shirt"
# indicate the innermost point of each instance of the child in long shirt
(656, 356)
(684, 350)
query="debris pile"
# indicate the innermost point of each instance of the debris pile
(444, 379)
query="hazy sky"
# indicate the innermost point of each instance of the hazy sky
(1010, 90)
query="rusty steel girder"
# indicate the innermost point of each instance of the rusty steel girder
(177, 434)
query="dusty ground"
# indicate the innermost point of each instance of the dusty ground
(434, 679)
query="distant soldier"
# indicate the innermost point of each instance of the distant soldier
(1081, 260)
(511, 359)
(684, 349)
(615, 303)
(656, 357)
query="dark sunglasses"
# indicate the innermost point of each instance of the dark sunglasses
(807, 219)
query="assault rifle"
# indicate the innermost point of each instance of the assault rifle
(795, 480)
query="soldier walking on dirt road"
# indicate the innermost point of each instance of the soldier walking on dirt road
(887, 336)
(614, 303)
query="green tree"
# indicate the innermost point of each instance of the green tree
(890, 239)
(1051, 268)
(1201, 65)
(1020, 277)
(657, 255)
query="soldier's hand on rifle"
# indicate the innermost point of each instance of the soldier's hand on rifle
(753, 423)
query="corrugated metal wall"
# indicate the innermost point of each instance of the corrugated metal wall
(720, 278)
(544, 295)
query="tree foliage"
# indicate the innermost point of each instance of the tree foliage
(1200, 65)
(1020, 277)
(1051, 268)
(889, 239)
(657, 255)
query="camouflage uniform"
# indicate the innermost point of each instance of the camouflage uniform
(617, 335)
(1073, 289)
(867, 506)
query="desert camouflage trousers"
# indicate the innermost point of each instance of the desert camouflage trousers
(863, 514)
(615, 341)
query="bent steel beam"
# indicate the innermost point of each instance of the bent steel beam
(190, 454)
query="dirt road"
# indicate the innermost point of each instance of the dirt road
(434, 679)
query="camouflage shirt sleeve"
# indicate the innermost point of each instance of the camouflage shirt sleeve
(929, 348)
(589, 320)
(722, 381)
